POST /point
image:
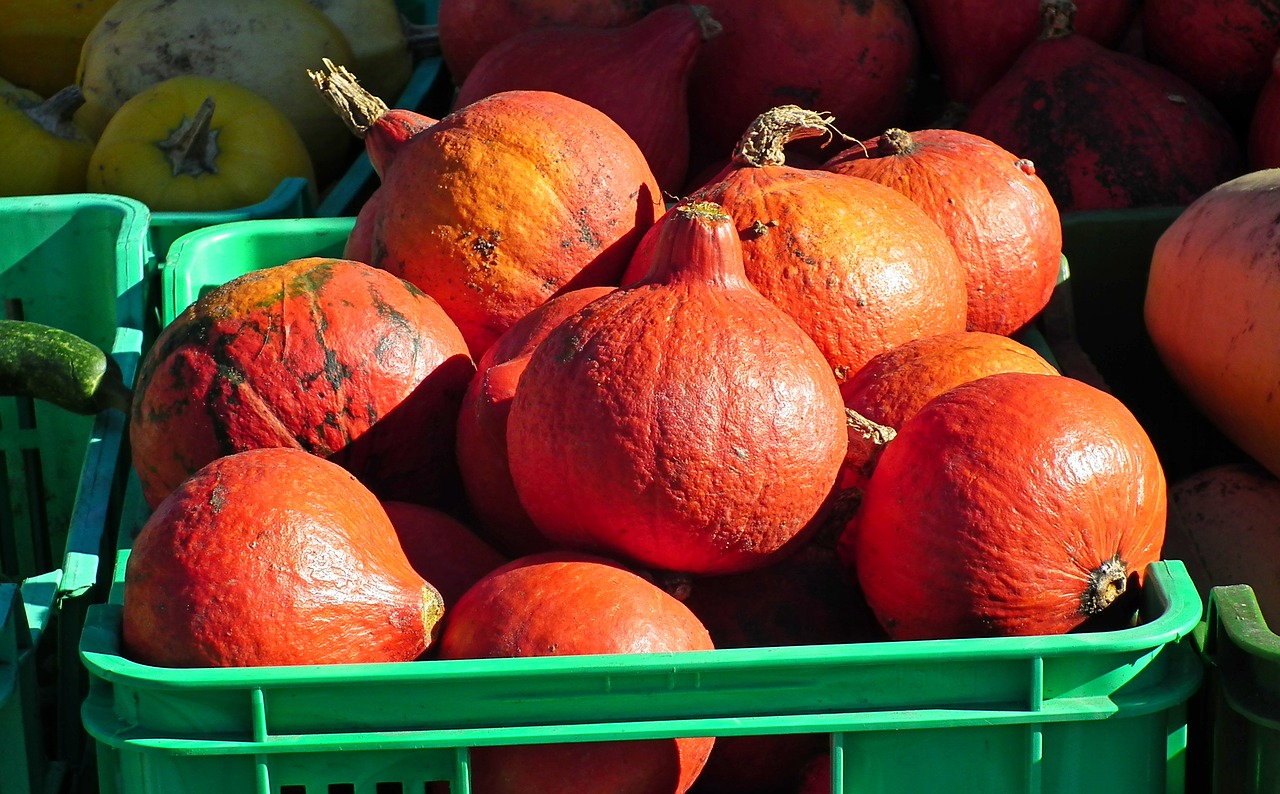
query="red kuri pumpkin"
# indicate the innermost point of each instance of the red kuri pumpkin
(858, 265)
(273, 557)
(331, 356)
(993, 208)
(698, 428)
(1014, 504)
(565, 604)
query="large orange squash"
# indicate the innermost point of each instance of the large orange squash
(331, 356)
(683, 423)
(507, 202)
(1213, 309)
(858, 265)
(1014, 504)
(566, 604)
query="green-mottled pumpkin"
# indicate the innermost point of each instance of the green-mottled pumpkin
(333, 356)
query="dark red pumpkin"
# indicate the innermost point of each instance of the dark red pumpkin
(442, 549)
(974, 42)
(858, 265)
(638, 75)
(1264, 125)
(273, 557)
(853, 60)
(331, 356)
(1014, 504)
(683, 423)
(1106, 130)
(993, 208)
(565, 604)
(482, 426)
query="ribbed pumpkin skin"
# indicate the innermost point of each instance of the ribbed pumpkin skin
(858, 265)
(996, 212)
(509, 201)
(331, 356)
(1212, 309)
(566, 604)
(990, 509)
(482, 425)
(683, 423)
(1106, 130)
(273, 557)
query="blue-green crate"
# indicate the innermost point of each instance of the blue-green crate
(292, 198)
(75, 262)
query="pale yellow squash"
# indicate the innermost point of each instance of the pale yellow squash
(375, 30)
(42, 150)
(197, 144)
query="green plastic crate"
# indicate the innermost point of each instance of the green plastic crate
(1033, 715)
(75, 262)
(292, 198)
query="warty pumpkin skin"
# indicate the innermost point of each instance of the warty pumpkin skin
(993, 208)
(567, 604)
(331, 356)
(273, 557)
(696, 426)
(1015, 504)
(508, 201)
(858, 265)
(1212, 309)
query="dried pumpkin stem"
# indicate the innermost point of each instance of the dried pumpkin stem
(764, 141)
(897, 141)
(1057, 19)
(192, 149)
(1107, 582)
(708, 26)
(54, 114)
(357, 108)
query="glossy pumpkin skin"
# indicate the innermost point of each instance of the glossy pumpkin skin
(853, 60)
(273, 557)
(1015, 504)
(254, 147)
(897, 383)
(975, 41)
(993, 208)
(509, 201)
(858, 265)
(482, 425)
(330, 356)
(1211, 309)
(649, 406)
(566, 604)
(470, 28)
(1106, 130)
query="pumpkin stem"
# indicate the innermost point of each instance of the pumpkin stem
(357, 108)
(1057, 19)
(897, 141)
(54, 114)
(192, 148)
(768, 135)
(1107, 582)
(709, 27)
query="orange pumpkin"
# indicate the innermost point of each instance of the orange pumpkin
(858, 265)
(996, 212)
(1014, 504)
(1212, 309)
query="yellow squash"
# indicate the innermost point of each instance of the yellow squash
(376, 31)
(40, 40)
(41, 149)
(197, 144)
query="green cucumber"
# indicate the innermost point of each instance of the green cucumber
(56, 366)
